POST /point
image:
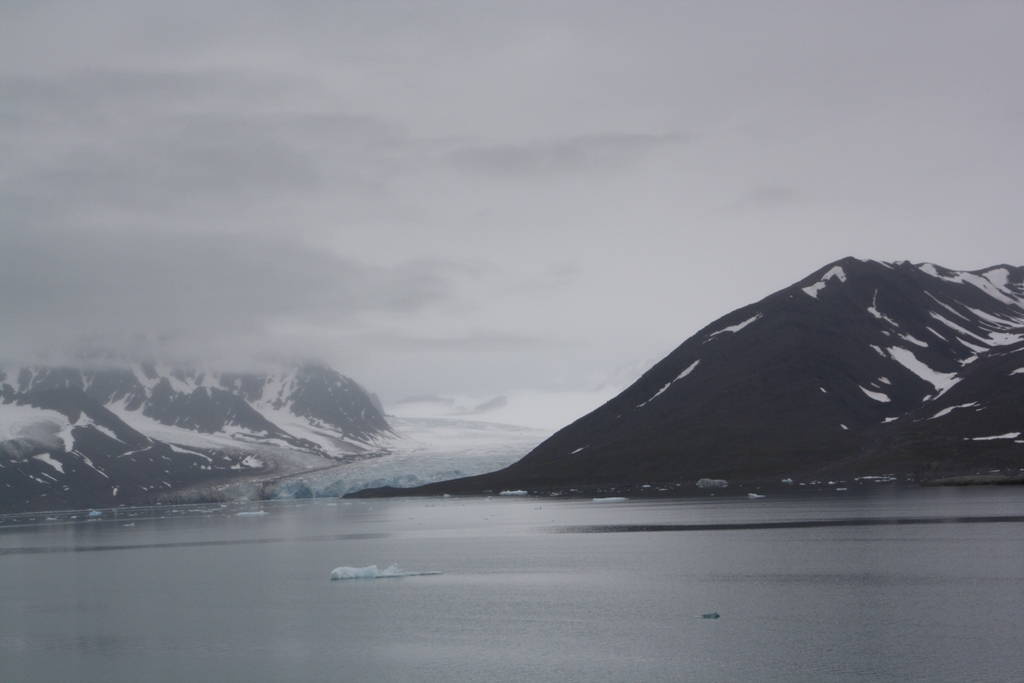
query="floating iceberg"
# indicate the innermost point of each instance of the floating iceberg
(372, 572)
(712, 483)
(252, 514)
(754, 495)
(513, 493)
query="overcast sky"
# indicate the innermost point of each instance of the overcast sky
(482, 197)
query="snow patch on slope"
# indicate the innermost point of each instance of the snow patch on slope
(942, 381)
(734, 328)
(49, 460)
(877, 395)
(947, 411)
(836, 272)
(1011, 435)
(661, 391)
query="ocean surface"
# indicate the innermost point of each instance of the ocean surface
(884, 584)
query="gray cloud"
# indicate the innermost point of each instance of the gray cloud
(392, 186)
(177, 149)
(765, 197)
(113, 287)
(585, 153)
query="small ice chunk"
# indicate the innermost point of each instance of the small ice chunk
(754, 495)
(256, 513)
(706, 483)
(518, 492)
(95, 513)
(372, 572)
(611, 499)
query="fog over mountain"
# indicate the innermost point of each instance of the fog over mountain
(479, 200)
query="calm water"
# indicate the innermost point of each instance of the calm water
(536, 590)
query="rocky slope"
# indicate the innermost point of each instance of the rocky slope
(74, 438)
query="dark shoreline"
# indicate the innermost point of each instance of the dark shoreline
(691, 490)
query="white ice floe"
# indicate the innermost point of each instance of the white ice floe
(610, 499)
(836, 272)
(942, 381)
(1018, 371)
(1011, 435)
(877, 395)
(372, 572)
(706, 483)
(257, 513)
(513, 493)
(754, 495)
(947, 411)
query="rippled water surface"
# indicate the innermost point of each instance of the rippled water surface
(920, 585)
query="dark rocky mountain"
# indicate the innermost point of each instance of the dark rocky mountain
(860, 369)
(76, 438)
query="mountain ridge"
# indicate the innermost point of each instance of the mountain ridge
(101, 436)
(843, 372)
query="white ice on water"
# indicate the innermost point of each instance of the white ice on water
(372, 572)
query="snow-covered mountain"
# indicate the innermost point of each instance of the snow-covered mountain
(862, 368)
(72, 437)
